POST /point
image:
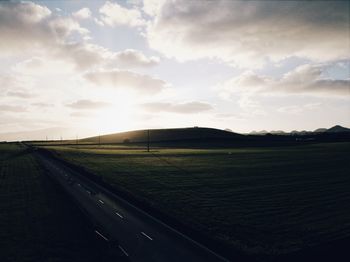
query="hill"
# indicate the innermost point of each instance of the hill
(337, 129)
(320, 130)
(166, 135)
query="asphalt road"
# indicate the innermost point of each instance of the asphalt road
(128, 230)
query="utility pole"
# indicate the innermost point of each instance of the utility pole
(76, 139)
(99, 140)
(148, 142)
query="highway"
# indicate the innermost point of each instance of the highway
(134, 234)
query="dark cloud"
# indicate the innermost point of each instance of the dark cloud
(246, 33)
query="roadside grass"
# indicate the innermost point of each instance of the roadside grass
(265, 201)
(37, 221)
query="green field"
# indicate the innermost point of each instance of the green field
(37, 221)
(262, 200)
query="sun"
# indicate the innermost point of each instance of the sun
(118, 116)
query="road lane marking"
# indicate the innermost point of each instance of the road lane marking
(122, 249)
(143, 233)
(119, 215)
(101, 201)
(98, 233)
(88, 192)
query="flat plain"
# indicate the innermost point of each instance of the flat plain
(265, 201)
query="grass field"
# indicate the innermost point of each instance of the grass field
(37, 221)
(262, 200)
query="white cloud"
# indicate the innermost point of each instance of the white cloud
(133, 58)
(151, 7)
(56, 42)
(40, 66)
(16, 85)
(113, 14)
(19, 94)
(298, 109)
(81, 114)
(11, 108)
(181, 108)
(40, 104)
(88, 104)
(305, 79)
(63, 27)
(26, 27)
(83, 13)
(248, 33)
(126, 80)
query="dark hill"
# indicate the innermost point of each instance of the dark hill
(320, 130)
(337, 129)
(165, 135)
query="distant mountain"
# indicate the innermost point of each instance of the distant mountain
(320, 130)
(262, 132)
(337, 129)
(161, 135)
(334, 129)
(303, 132)
(278, 132)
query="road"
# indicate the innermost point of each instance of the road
(130, 231)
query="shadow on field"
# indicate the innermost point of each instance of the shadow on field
(337, 250)
(17, 154)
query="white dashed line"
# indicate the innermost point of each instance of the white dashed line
(101, 201)
(143, 233)
(98, 233)
(118, 214)
(122, 249)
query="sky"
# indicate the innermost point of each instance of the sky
(81, 68)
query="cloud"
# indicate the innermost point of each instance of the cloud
(80, 114)
(88, 104)
(7, 81)
(305, 79)
(133, 58)
(56, 44)
(126, 80)
(26, 27)
(249, 33)
(298, 109)
(20, 94)
(40, 104)
(151, 7)
(181, 108)
(113, 14)
(27, 12)
(14, 85)
(11, 108)
(83, 13)
(39, 66)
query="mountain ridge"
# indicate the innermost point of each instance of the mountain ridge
(333, 129)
